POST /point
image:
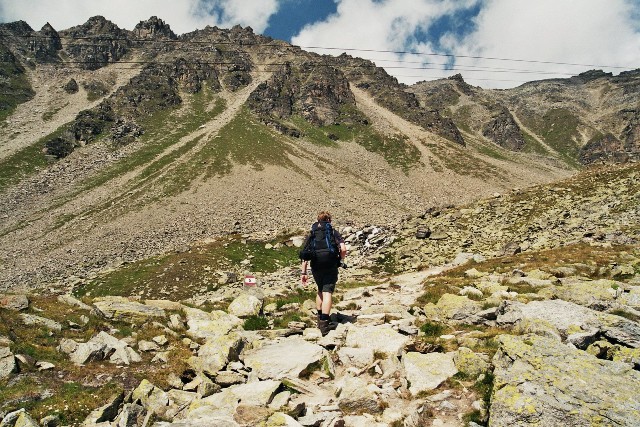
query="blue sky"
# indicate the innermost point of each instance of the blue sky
(492, 43)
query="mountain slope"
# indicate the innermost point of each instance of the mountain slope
(169, 140)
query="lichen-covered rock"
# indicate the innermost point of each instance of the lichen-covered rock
(121, 309)
(357, 397)
(381, 339)
(469, 363)
(216, 353)
(427, 371)
(152, 398)
(539, 381)
(280, 419)
(287, 357)
(107, 412)
(19, 418)
(203, 325)
(245, 305)
(587, 293)
(562, 318)
(457, 308)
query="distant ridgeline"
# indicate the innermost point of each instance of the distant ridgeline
(556, 118)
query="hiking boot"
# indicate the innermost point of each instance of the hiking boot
(325, 326)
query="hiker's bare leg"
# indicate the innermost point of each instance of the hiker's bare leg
(319, 302)
(326, 302)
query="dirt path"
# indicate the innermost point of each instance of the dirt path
(51, 106)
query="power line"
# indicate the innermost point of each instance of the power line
(344, 49)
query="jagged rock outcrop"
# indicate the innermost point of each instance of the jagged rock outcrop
(96, 43)
(46, 44)
(316, 93)
(504, 131)
(154, 28)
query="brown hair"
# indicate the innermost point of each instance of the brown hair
(324, 216)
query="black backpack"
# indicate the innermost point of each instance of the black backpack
(320, 247)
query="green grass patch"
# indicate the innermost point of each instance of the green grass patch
(26, 161)
(432, 329)
(532, 145)
(299, 296)
(179, 275)
(492, 152)
(255, 323)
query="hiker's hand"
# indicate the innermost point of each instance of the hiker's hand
(304, 278)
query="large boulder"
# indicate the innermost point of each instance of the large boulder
(216, 353)
(121, 309)
(539, 381)
(99, 347)
(456, 308)
(563, 318)
(203, 325)
(379, 339)
(19, 418)
(470, 363)
(245, 305)
(289, 357)
(152, 398)
(425, 372)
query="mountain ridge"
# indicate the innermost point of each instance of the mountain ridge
(137, 161)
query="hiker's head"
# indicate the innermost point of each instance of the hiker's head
(324, 216)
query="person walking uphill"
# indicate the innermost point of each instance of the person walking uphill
(326, 250)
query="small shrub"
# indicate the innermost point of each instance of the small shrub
(432, 329)
(255, 323)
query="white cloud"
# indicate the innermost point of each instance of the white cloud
(590, 32)
(599, 32)
(182, 15)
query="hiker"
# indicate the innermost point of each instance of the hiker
(326, 250)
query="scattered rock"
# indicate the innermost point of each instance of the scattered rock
(14, 302)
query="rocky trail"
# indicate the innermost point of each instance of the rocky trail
(445, 346)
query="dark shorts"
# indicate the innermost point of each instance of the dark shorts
(326, 279)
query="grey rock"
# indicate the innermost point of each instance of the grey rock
(267, 362)
(541, 381)
(357, 398)
(8, 363)
(14, 302)
(33, 320)
(227, 378)
(107, 412)
(72, 301)
(427, 371)
(148, 346)
(121, 309)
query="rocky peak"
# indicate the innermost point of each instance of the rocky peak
(18, 28)
(46, 47)
(154, 28)
(97, 42)
(590, 75)
(99, 25)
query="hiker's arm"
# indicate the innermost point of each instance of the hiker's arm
(343, 251)
(303, 272)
